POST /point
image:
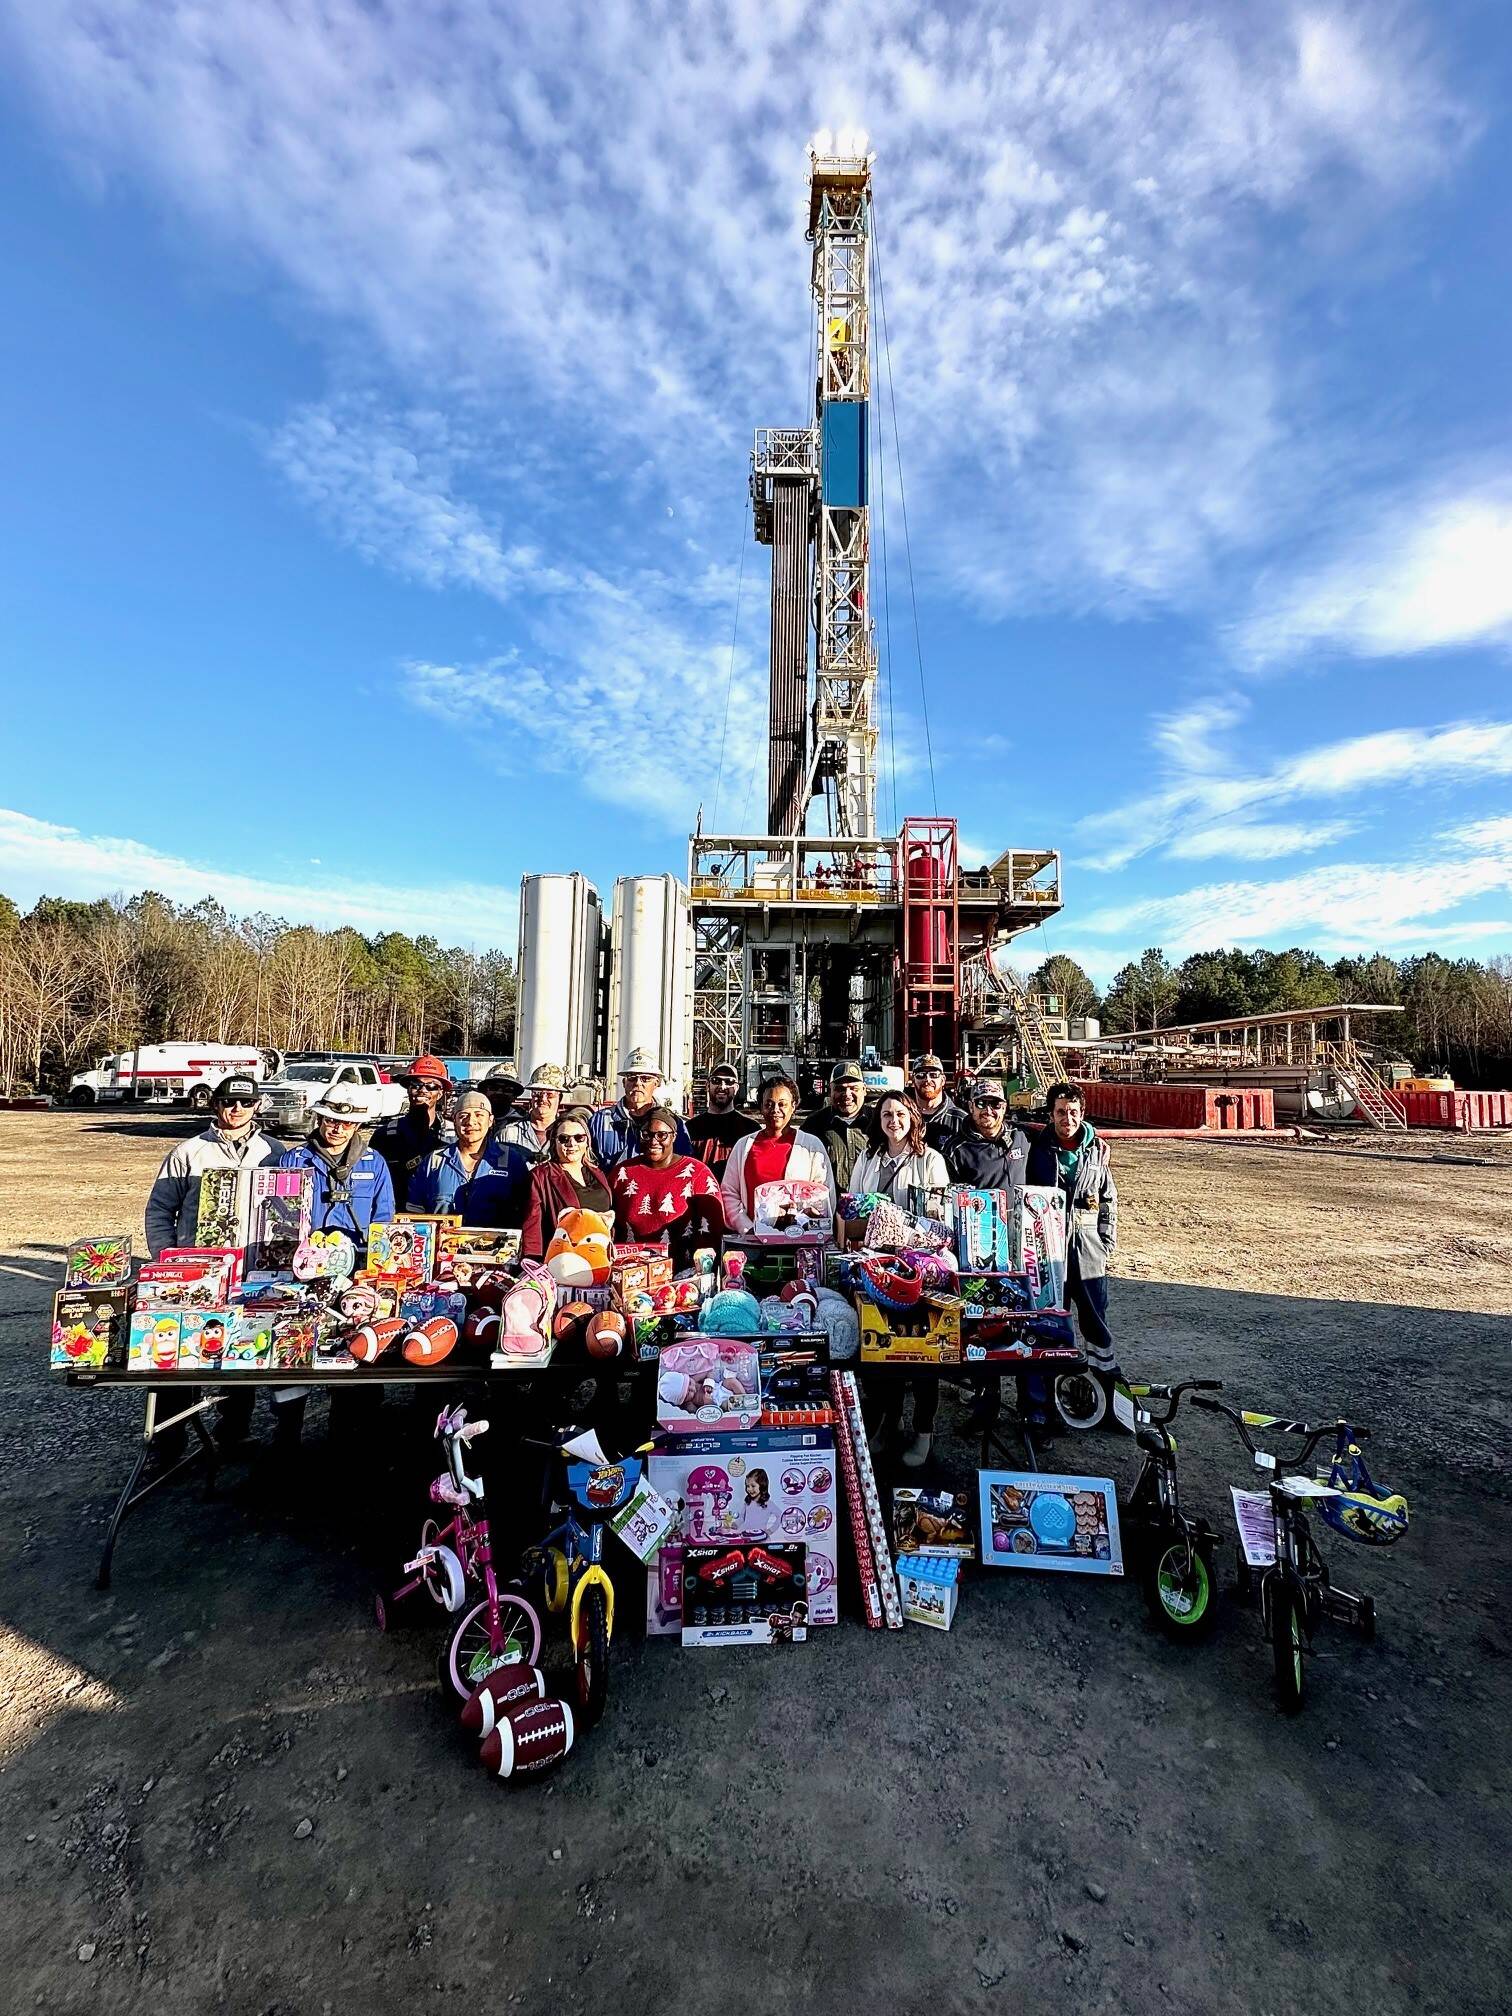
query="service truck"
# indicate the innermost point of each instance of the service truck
(171, 1074)
(287, 1099)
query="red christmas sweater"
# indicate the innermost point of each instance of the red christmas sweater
(679, 1201)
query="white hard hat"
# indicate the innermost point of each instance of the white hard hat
(640, 1061)
(342, 1102)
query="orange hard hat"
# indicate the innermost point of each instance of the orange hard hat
(429, 1067)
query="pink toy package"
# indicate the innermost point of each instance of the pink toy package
(773, 1485)
(708, 1382)
(792, 1210)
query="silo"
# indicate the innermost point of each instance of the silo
(561, 939)
(648, 987)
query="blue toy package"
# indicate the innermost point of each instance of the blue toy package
(928, 1589)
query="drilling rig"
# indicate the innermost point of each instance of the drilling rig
(812, 945)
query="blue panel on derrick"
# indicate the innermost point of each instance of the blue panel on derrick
(842, 466)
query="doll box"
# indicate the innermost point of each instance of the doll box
(796, 1209)
(90, 1327)
(928, 1590)
(706, 1383)
(774, 1483)
(932, 1338)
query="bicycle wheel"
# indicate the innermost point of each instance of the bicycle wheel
(1080, 1400)
(592, 1655)
(1288, 1627)
(477, 1647)
(1179, 1588)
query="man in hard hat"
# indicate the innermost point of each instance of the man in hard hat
(715, 1131)
(352, 1189)
(406, 1139)
(528, 1130)
(842, 1126)
(615, 1130)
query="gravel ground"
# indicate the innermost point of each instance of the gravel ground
(221, 1789)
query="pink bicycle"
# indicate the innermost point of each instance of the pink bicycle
(502, 1626)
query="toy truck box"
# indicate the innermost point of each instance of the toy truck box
(931, 1337)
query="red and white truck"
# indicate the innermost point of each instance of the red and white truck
(171, 1074)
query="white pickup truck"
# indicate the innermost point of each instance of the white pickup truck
(287, 1099)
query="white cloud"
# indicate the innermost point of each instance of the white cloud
(1258, 840)
(583, 217)
(1174, 817)
(1434, 574)
(38, 858)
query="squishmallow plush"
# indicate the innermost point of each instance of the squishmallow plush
(579, 1253)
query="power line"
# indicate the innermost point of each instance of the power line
(892, 394)
(745, 522)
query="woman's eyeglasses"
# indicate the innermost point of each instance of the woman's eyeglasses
(661, 1134)
(572, 1140)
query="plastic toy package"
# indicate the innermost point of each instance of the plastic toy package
(929, 1589)
(708, 1382)
(222, 1219)
(99, 1263)
(791, 1210)
(90, 1328)
(153, 1340)
(404, 1247)
(937, 1523)
(278, 1218)
(1039, 1243)
(746, 1594)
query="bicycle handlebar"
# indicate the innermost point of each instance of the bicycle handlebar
(1172, 1394)
(1312, 1436)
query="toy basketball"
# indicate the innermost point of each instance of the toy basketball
(373, 1339)
(530, 1737)
(505, 1688)
(605, 1334)
(431, 1342)
(570, 1320)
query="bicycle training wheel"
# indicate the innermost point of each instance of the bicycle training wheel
(1080, 1399)
(592, 1655)
(1288, 1643)
(477, 1648)
(1179, 1588)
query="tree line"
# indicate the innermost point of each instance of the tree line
(80, 980)
(1458, 1017)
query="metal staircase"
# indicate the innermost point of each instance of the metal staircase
(1358, 1078)
(1041, 1058)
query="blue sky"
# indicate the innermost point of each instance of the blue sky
(381, 377)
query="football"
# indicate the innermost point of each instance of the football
(373, 1339)
(570, 1319)
(504, 1688)
(529, 1737)
(606, 1334)
(431, 1342)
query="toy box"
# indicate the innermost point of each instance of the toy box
(635, 1278)
(652, 1333)
(939, 1523)
(104, 1262)
(325, 1256)
(933, 1337)
(294, 1335)
(664, 1591)
(982, 1290)
(278, 1218)
(249, 1341)
(982, 1224)
(1016, 1337)
(928, 1589)
(203, 1336)
(766, 1268)
(796, 1209)
(1032, 1520)
(404, 1247)
(220, 1266)
(771, 1484)
(153, 1340)
(421, 1305)
(473, 1254)
(222, 1219)
(1039, 1244)
(749, 1593)
(90, 1327)
(186, 1279)
(708, 1382)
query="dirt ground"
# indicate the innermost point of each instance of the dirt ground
(222, 1789)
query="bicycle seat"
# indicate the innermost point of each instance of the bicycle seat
(1150, 1439)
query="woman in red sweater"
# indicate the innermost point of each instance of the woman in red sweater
(662, 1194)
(568, 1180)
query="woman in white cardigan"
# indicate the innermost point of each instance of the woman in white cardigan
(779, 1153)
(899, 1164)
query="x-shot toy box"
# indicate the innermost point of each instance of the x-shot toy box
(932, 1336)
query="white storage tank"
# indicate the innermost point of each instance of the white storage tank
(1085, 1028)
(648, 985)
(561, 942)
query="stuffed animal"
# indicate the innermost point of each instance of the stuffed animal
(837, 1318)
(730, 1313)
(579, 1253)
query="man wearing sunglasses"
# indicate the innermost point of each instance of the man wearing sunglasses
(987, 1153)
(231, 1141)
(715, 1131)
(941, 1116)
(616, 1129)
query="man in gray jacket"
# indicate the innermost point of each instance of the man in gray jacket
(231, 1141)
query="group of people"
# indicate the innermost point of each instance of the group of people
(665, 1177)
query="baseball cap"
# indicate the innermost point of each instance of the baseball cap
(987, 1088)
(429, 1067)
(236, 1088)
(848, 1073)
(725, 1071)
(546, 1078)
(927, 1062)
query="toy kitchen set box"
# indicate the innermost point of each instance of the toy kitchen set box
(769, 1484)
